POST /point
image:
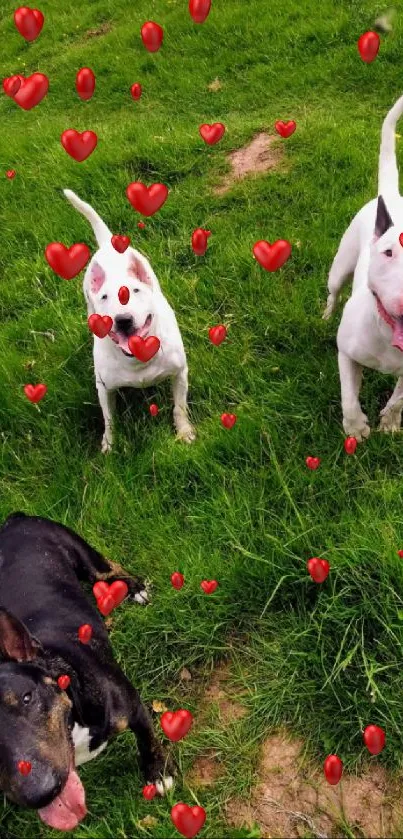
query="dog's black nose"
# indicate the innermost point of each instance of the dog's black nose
(124, 324)
(43, 792)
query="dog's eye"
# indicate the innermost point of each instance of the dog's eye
(27, 698)
(104, 297)
(136, 290)
(389, 252)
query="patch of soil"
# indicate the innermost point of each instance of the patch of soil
(215, 86)
(263, 153)
(219, 693)
(103, 29)
(293, 799)
(205, 771)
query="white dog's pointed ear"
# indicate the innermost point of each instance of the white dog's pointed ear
(96, 277)
(140, 269)
(383, 220)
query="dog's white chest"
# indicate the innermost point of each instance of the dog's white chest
(81, 740)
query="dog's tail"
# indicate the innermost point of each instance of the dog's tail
(101, 231)
(388, 180)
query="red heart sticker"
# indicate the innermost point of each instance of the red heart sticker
(147, 200)
(368, 46)
(401, 239)
(106, 604)
(272, 257)
(374, 739)
(10, 174)
(199, 241)
(143, 348)
(24, 767)
(12, 84)
(100, 325)
(85, 83)
(188, 820)
(153, 409)
(141, 225)
(120, 243)
(177, 580)
(29, 22)
(199, 10)
(67, 262)
(31, 91)
(228, 420)
(209, 586)
(110, 596)
(79, 146)
(176, 724)
(149, 792)
(285, 129)
(400, 554)
(212, 134)
(312, 462)
(217, 334)
(35, 392)
(85, 633)
(152, 35)
(123, 295)
(63, 682)
(100, 588)
(136, 91)
(318, 569)
(333, 769)
(350, 445)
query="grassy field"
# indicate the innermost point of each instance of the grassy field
(238, 506)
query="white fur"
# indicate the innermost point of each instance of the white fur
(81, 740)
(364, 339)
(107, 271)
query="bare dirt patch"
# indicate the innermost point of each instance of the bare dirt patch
(263, 153)
(215, 86)
(293, 799)
(103, 29)
(223, 696)
(205, 771)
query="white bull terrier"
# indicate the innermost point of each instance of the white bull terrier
(371, 329)
(147, 313)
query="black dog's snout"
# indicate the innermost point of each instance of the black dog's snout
(43, 791)
(124, 324)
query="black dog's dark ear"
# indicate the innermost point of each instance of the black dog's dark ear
(16, 643)
(383, 219)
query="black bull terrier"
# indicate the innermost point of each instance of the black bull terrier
(42, 606)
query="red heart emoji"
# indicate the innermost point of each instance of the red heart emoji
(136, 90)
(285, 129)
(141, 225)
(199, 241)
(217, 334)
(374, 739)
(35, 392)
(228, 420)
(85, 83)
(333, 769)
(118, 590)
(143, 348)
(10, 174)
(29, 22)
(209, 586)
(177, 580)
(100, 588)
(123, 295)
(318, 569)
(154, 410)
(85, 633)
(100, 325)
(188, 820)
(147, 199)
(24, 767)
(350, 445)
(212, 134)
(176, 724)
(12, 84)
(368, 46)
(312, 462)
(400, 553)
(199, 10)
(67, 262)
(401, 239)
(79, 146)
(149, 792)
(272, 257)
(31, 91)
(120, 243)
(63, 682)
(152, 36)
(106, 604)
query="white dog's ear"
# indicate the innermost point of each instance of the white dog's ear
(383, 220)
(140, 269)
(96, 277)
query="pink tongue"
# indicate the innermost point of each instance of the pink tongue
(398, 334)
(68, 809)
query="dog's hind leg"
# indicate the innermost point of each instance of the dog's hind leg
(107, 403)
(343, 265)
(184, 429)
(391, 415)
(355, 423)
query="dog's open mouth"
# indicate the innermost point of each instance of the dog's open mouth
(68, 809)
(122, 340)
(396, 324)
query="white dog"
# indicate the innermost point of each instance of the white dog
(147, 313)
(371, 329)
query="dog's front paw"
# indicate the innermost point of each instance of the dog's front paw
(357, 427)
(106, 445)
(138, 590)
(186, 433)
(391, 421)
(162, 774)
(330, 306)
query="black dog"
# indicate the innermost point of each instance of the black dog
(42, 606)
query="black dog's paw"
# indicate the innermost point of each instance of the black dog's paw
(138, 589)
(161, 771)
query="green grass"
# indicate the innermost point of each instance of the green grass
(240, 505)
